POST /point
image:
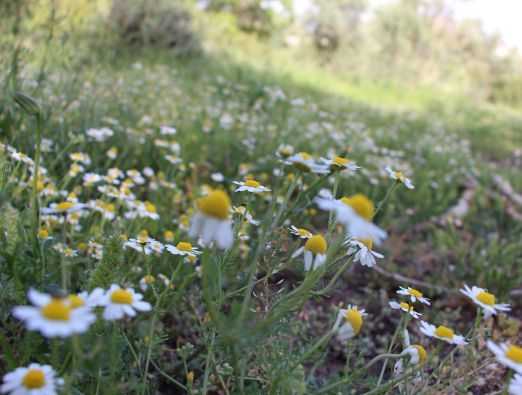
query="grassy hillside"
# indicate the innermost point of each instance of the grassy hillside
(249, 319)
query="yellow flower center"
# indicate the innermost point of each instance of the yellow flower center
(367, 242)
(148, 279)
(33, 379)
(406, 306)
(151, 208)
(423, 355)
(43, 233)
(184, 246)
(340, 161)
(316, 244)
(400, 176)
(354, 317)
(143, 236)
(361, 205)
(57, 310)
(305, 156)
(304, 233)
(444, 332)
(486, 298)
(215, 204)
(286, 151)
(514, 353)
(76, 301)
(77, 156)
(414, 292)
(252, 183)
(108, 207)
(75, 168)
(64, 206)
(121, 296)
(168, 235)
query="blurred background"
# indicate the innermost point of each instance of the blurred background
(377, 50)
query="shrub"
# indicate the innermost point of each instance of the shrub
(158, 23)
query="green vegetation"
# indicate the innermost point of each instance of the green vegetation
(135, 135)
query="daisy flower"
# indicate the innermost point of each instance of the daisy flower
(212, 221)
(86, 299)
(146, 281)
(414, 295)
(250, 185)
(65, 207)
(355, 213)
(108, 210)
(91, 178)
(142, 210)
(399, 177)
(314, 252)
(515, 386)
(167, 130)
(144, 243)
(417, 353)
(338, 163)
(363, 251)
(112, 153)
(406, 307)
(34, 379)
(80, 157)
(349, 322)
(284, 151)
(136, 245)
(54, 317)
(99, 135)
(168, 235)
(241, 210)
(442, 333)
(182, 248)
(484, 299)
(306, 163)
(119, 302)
(43, 234)
(507, 355)
(300, 232)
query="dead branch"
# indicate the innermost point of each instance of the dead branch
(507, 190)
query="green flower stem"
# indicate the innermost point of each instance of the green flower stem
(380, 357)
(252, 271)
(207, 364)
(314, 187)
(36, 176)
(322, 341)
(382, 389)
(399, 329)
(167, 376)
(386, 197)
(334, 279)
(63, 263)
(331, 222)
(157, 305)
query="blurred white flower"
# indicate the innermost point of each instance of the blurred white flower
(120, 302)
